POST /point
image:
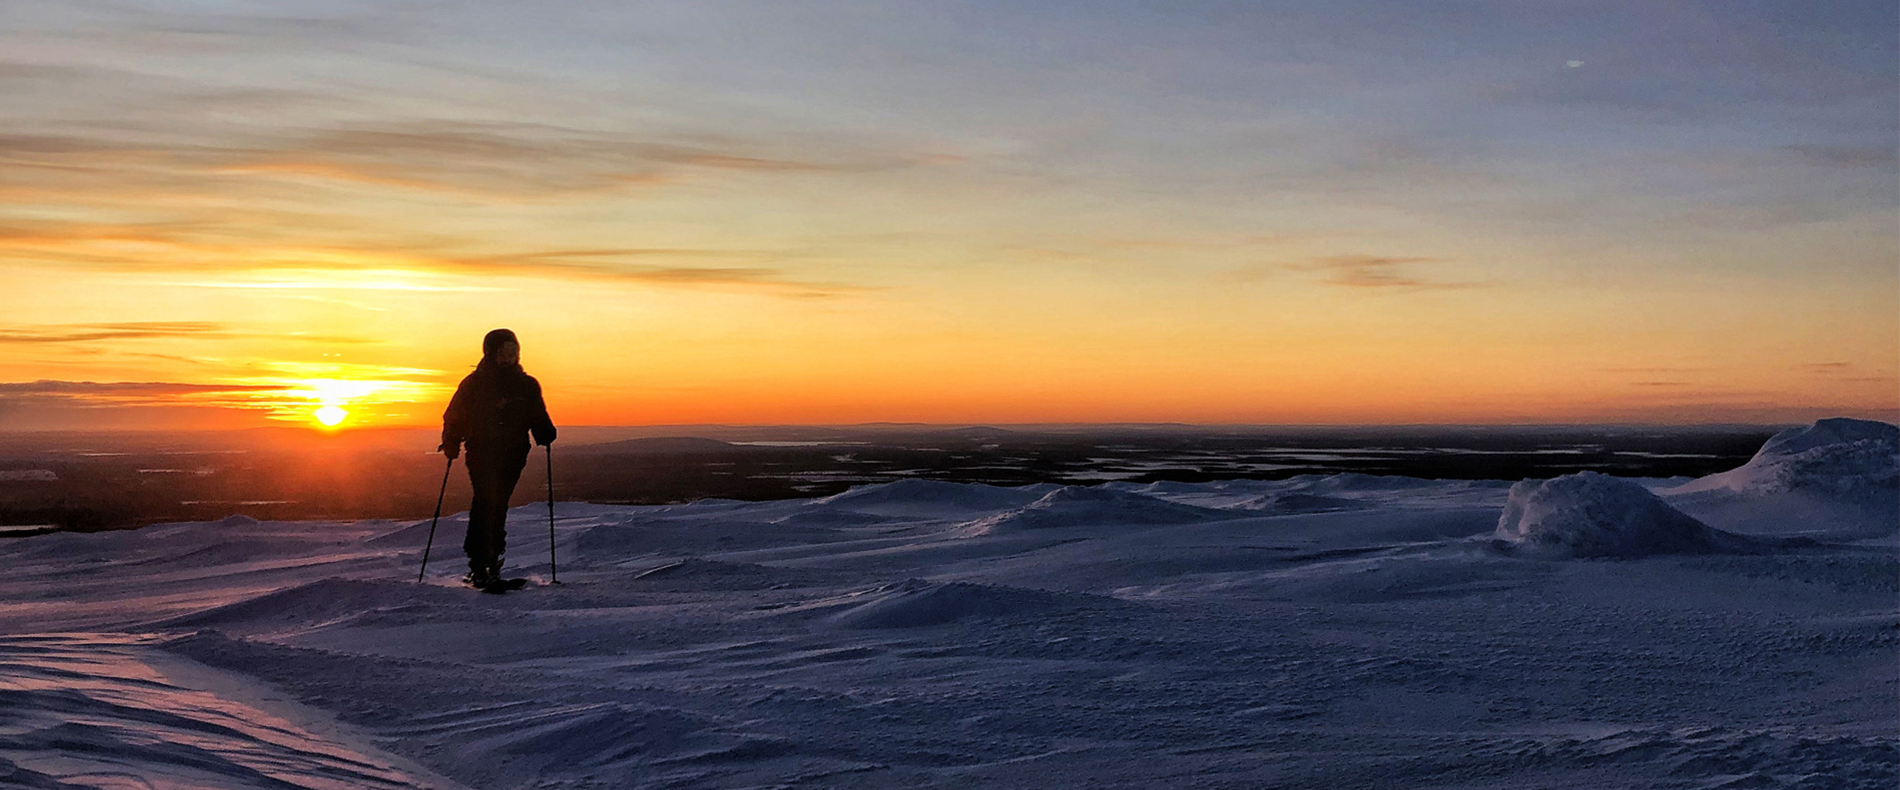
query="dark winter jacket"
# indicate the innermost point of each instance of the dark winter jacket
(495, 409)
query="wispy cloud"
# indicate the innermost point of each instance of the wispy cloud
(288, 398)
(1655, 369)
(265, 264)
(121, 389)
(143, 330)
(504, 162)
(93, 395)
(83, 333)
(640, 264)
(1844, 155)
(1378, 272)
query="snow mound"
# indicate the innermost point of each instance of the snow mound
(417, 533)
(1173, 487)
(916, 603)
(927, 498)
(1835, 458)
(1072, 506)
(1348, 482)
(1294, 502)
(1588, 514)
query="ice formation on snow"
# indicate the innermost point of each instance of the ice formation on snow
(1595, 515)
(1837, 457)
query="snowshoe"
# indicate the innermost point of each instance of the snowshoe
(499, 586)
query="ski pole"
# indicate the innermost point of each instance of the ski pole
(432, 520)
(554, 575)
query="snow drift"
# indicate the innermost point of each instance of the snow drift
(1073, 506)
(1595, 515)
(1833, 458)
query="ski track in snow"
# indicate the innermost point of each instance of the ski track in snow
(1334, 632)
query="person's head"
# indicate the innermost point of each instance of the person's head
(501, 348)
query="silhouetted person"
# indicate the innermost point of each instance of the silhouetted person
(493, 412)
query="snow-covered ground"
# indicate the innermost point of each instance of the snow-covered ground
(1326, 632)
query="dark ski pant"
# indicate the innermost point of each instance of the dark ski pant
(493, 475)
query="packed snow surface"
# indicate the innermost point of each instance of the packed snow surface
(1317, 632)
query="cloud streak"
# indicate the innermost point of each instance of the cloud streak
(122, 389)
(148, 330)
(92, 395)
(290, 397)
(489, 161)
(85, 333)
(269, 264)
(1374, 272)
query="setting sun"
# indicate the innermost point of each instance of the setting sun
(331, 416)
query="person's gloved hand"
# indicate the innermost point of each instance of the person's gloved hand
(451, 450)
(544, 436)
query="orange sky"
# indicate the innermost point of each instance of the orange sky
(709, 216)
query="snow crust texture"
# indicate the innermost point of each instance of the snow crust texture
(1595, 515)
(1320, 632)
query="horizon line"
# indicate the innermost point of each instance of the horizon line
(955, 426)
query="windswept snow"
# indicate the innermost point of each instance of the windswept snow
(916, 603)
(1594, 515)
(1317, 632)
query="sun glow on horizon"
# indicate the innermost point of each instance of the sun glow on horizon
(331, 416)
(333, 394)
(340, 401)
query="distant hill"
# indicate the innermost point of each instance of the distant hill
(974, 433)
(660, 445)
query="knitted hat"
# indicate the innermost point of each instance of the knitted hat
(493, 340)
